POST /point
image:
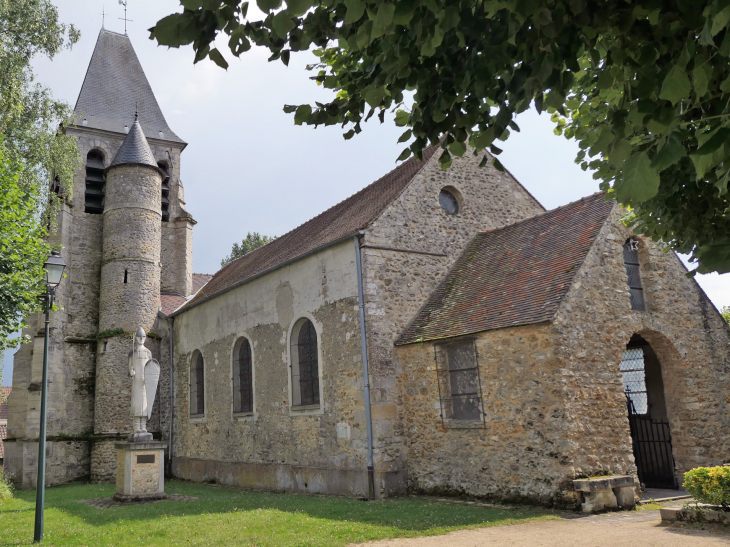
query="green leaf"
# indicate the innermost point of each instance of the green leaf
(267, 5)
(405, 136)
(282, 24)
(445, 160)
(373, 95)
(404, 10)
(699, 78)
(671, 153)
(302, 114)
(457, 148)
(174, 30)
(713, 143)
(639, 181)
(355, 10)
(714, 257)
(720, 21)
(218, 59)
(383, 20)
(402, 117)
(676, 85)
(404, 155)
(297, 8)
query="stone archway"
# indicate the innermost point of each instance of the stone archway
(643, 380)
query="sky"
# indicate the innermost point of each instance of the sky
(248, 168)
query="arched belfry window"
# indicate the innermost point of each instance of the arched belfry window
(95, 183)
(242, 377)
(631, 262)
(165, 191)
(305, 364)
(197, 384)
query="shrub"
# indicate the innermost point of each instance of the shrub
(709, 485)
(6, 491)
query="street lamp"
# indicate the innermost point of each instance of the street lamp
(54, 267)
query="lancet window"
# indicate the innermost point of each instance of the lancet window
(165, 191)
(242, 377)
(631, 263)
(95, 183)
(305, 365)
(197, 384)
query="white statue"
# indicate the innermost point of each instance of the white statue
(145, 373)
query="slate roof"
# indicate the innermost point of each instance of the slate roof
(115, 86)
(514, 275)
(338, 222)
(135, 149)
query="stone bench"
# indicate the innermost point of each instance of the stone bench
(609, 492)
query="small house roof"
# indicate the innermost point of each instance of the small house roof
(513, 275)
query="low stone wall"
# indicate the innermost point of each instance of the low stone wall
(277, 477)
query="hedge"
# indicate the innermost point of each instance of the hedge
(709, 485)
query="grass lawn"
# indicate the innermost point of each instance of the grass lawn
(231, 517)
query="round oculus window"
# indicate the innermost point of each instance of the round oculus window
(448, 202)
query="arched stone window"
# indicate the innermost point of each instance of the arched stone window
(165, 191)
(305, 364)
(197, 384)
(95, 183)
(631, 263)
(242, 377)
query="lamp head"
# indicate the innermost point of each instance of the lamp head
(54, 267)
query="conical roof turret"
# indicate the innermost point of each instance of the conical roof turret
(134, 149)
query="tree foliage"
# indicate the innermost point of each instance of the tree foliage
(251, 242)
(32, 153)
(726, 314)
(642, 85)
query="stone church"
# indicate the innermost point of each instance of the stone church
(437, 332)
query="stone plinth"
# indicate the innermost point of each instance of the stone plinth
(606, 493)
(140, 471)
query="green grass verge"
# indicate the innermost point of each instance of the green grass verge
(227, 516)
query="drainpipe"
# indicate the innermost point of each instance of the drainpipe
(366, 374)
(171, 321)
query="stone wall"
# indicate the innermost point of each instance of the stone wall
(521, 451)
(398, 283)
(276, 446)
(686, 333)
(553, 394)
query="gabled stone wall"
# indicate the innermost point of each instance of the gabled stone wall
(398, 283)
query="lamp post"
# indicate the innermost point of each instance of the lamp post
(54, 267)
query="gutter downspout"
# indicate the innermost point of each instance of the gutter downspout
(366, 374)
(171, 321)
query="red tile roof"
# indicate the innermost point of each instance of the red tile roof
(169, 302)
(342, 220)
(514, 275)
(4, 392)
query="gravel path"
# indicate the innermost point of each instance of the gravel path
(626, 529)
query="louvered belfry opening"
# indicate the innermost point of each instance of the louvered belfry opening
(243, 379)
(95, 183)
(165, 191)
(308, 364)
(631, 262)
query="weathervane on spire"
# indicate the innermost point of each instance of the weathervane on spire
(124, 3)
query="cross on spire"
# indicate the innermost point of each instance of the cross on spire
(124, 3)
(103, 14)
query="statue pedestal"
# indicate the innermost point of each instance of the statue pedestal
(140, 471)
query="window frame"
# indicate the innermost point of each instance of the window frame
(234, 359)
(96, 151)
(199, 416)
(293, 360)
(634, 306)
(445, 391)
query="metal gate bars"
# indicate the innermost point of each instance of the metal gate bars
(652, 444)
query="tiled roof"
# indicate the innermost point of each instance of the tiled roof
(199, 280)
(115, 86)
(4, 392)
(134, 149)
(169, 302)
(342, 220)
(514, 275)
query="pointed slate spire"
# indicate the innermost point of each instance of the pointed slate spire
(114, 82)
(134, 149)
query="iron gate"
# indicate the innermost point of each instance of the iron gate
(652, 449)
